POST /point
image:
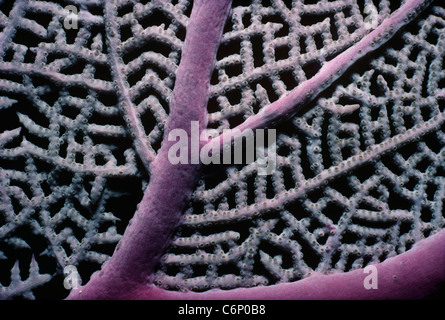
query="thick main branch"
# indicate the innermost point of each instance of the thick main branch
(149, 232)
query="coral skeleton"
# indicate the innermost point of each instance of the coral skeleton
(90, 90)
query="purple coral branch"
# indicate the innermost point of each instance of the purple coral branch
(128, 274)
(410, 275)
(149, 232)
(307, 91)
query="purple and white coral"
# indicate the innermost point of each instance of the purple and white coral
(359, 113)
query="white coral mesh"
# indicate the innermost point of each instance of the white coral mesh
(360, 173)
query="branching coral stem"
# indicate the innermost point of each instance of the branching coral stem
(289, 105)
(149, 232)
(128, 274)
(130, 114)
(410, 275)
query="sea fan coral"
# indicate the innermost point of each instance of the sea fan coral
(90, 90)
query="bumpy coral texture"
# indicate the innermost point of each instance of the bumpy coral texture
(360, 174)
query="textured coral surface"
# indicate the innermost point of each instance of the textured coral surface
(354, 88)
